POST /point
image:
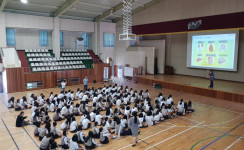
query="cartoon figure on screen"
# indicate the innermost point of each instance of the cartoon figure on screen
(211, 78)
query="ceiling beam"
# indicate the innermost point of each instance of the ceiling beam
(64, 8)
(110, 12)
(85, 11)
(95, 5)
(3, 4)
(139, 9)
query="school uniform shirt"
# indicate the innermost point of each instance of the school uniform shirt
(85, 123)
(82, 118)
(84, 98)
(45, 143)
(60, 105)
(92, 116)
(164, 111)
(73, 126)
(157, 117)
(60, 96)
(126, 100)
(98, 119)
(77, 94)
(94, 99)
(140, 121)
(73, 145)
(54, 130)
(106, 127)
(17, 105)
(63, 125)
(123, 122)
(43, 132)
(134, 109)
(37, 130)
(147, 108)
(99, 96)
(51, 107)
(169, 101)
(63, 84)
(64, 140)
(31, 101)
(127, 112)
(10, 104)
(51, 97)
(41, 101)
(149, 120)
(64, 111)
(72, 97)
(80, 95)
(118, 102)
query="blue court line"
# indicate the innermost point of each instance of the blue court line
(10, 134)
(223, 135)
(31, 137)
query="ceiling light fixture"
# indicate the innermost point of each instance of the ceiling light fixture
(24, 1)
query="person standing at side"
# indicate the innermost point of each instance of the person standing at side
(85, 82)
(63, 84)
(211, 77)
(134, 123)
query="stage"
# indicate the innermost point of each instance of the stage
(227, 90)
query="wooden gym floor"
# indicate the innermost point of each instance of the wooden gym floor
(209, 127)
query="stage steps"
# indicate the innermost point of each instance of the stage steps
(95, 57)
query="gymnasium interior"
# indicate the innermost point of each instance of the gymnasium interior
(182, 50)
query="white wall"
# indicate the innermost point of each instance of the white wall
(159, 52)
(10, 58)
(106, 27)
(76, 25)
(69, 38)
(29, 38)
(169, 10)
(28, 21)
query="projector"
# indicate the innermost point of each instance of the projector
(193, 25)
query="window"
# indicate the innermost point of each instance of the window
(108, 39)
(10, 36)
(61, 39)
(132, 42)
(43, 38)
(85, 39)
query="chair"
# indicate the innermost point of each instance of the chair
(43, 69)
(41, 64)
(44, 54)
(59, 68)
(60, 63)
(45, 64)
(38, 59)
(38, 68)
(51, 68)
(28, 54)
(34, 69)
(42, 59)
(32, 64)
(30, 59)
(47, 68)
(56, 63)
(70, 67)
(68, 62)
(55, 68)
(48, 54)
(49, 64)
(30, 50)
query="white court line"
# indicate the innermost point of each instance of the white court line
(148, 137)
(208, 125)
(175, 135)
(227, 110)
(233, 144)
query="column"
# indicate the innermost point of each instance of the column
(56, 37)
(3, 42)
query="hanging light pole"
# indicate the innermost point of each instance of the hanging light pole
(127, 21)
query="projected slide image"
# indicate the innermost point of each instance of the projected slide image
(213, 51)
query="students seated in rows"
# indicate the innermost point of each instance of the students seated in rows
(11, 102)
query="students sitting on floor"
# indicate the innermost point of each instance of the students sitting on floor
(20, 121)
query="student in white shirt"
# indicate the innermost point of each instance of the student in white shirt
(86, 123)
(55, 131)
(63, 84)
(61, 95)
(93, 115)
(31, 99)
(73, 143)
(169, 100)
(90, 143)
(51, 96)
(73, 125)
(149, 119)
(118, 101)
(64, 140)
(80, 94)
(72, 96)
(80, 135)
(64, 110)
(11, 102)
(98, 118)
